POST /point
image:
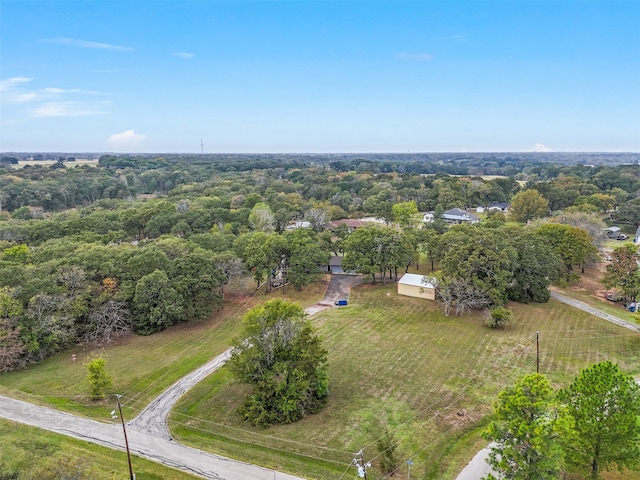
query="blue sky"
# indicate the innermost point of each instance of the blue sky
(307, 76)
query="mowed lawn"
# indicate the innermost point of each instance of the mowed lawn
(24, 448)
(397, 361)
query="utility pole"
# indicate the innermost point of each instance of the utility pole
(359, 463)
(126, 442)
(537, 351)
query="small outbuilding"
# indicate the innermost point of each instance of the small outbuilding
(419, 286)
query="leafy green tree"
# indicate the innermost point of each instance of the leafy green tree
(527, 205)
(381, 205)
(590, 222)
(18, 254)
(623, 271)
(260, 252)
(430, 245)
(10, 306)
(483, 257)
(156, 304)
(359, 252)
(369, 250)
(572, 245)
(281, 355)
(525, 444)
(439, 224)
(628, 213)
(306, 257)
(603, 405)
(98, 380)
(196, 279)
(47, 325)
(12, 348)
(261, 218)
(535, 268)
(406, 214)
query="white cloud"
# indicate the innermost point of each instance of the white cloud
(126, 140)
(416, 57)
(48, 101)
(185, 55)
(69, 109)
(9, 83)
(73, 42)
(539, 147)
(458, 36)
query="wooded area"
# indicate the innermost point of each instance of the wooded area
(137, 244)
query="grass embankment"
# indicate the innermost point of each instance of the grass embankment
(399, 361)
(24, 448)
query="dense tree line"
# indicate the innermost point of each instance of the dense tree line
(351, 186)
(141, 243)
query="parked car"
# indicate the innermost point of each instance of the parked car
(621, 236)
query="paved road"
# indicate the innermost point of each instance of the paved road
(149, 434)
(146, 445)
(594, 311)
(153, 419)
(477, 467)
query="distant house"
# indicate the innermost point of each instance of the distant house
(299, 224)
(498, 207)
(419, 286)
(457, 215)
(351, 223)
(335, 265)
(428, 217)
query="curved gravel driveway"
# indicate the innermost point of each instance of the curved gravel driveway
(149, 435)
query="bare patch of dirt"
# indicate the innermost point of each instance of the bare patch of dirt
(590, 281)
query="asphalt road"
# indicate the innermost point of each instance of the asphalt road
(148, 433)
(594, 311)
(147, 445)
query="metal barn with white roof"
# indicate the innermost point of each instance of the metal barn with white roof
(419, 286)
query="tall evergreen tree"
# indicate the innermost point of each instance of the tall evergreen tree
(525, 443)
(603, 405)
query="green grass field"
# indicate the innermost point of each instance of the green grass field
(398, 361)
(393, 360)
(24, 448)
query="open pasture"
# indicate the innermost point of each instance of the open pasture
(398, 363)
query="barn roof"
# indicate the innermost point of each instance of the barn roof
(417, 280)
